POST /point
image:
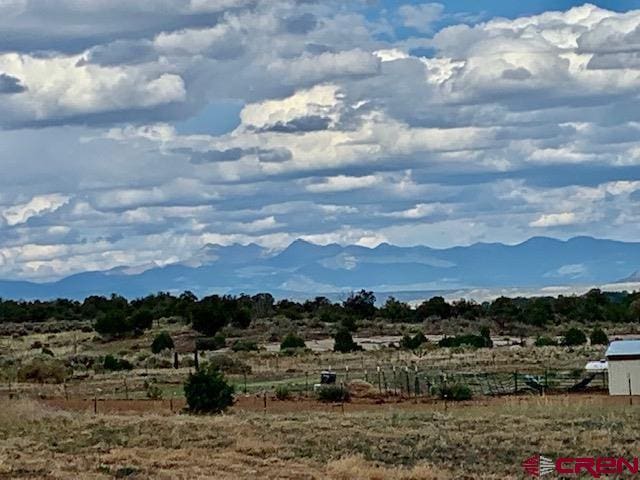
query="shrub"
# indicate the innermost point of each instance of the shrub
(163, 341)
(349, 322)
(141, 319)
(244, 346)
(47, 351)
(456, 392)
(154, 392)
(115, 324)
(228, 364)
(475, 341)
(545, 342)
(207, 391)
(292, 341)
(599, 337)
(333, 393)
(283, 392)
(114, 364)
(41, 370)
(413, 343)
(573, 337)
(343, 342)
(155, 361)
(211, 343)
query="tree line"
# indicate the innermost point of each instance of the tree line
(116, 314)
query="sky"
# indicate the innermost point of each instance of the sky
(136, 133)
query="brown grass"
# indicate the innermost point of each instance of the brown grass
(481, 440)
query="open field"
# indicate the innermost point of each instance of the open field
(472, 441)
(387, 431)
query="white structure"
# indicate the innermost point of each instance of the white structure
(623, 359)
(600, 366)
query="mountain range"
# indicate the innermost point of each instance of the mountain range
(305, 270)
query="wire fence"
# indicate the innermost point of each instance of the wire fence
(407, 381)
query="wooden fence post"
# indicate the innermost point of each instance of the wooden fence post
(515, 382)
(196, 361)
(395, 382)
(406, 372)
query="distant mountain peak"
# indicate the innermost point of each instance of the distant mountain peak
(306, 268)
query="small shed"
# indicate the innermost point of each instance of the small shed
(623, 361)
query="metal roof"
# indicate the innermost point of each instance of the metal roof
(623, 348)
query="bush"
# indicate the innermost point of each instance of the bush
(114, 364)
(163, 341)
(343, 342)
(475, 341)
(156, 361)
(114, 324)
(456, 392)
(141, 319)
(154, 392)
(47, 351)
(283, 392)
(41, 370)
(333, 393)
(599, 337)
(292, 341)
(207, 391)
(244, 346)
(211, 343)
(413, 343)
(574, 337)
(545, 342)
(228, 364)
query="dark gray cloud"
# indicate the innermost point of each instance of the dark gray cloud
(71, 26)
(312, 123)
(10, 84)
(519, 73)
(232, 154)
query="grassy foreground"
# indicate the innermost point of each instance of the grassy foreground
(476, 441)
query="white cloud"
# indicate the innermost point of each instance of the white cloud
(37, 206)
(343, 183)
(512, 125)
(421, 210)
(555, 220)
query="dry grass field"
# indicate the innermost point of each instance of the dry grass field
(50, 430)
(471, 441)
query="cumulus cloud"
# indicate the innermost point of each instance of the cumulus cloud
(555, 219)
(492, 130)
(342, 183)
(38, 205)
